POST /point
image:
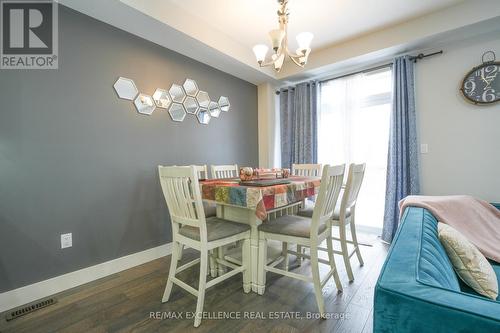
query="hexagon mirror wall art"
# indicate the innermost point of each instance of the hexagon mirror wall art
(203, 116)
(224, 103)
(177, 93)
(203, 99)
(191, 105)
(177, 112)
(190, 87)
(214, 109)
(162, 98)
(125, 88)
(179, 100)
(144, 104)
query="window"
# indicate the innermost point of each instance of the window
(353, 127)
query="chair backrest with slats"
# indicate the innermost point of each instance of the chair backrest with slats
(202, 171)
(353, 184)
(181, 190)
(331, 183)
(225, 171)
(306, 170)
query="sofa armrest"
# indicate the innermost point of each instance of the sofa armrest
(430, 309)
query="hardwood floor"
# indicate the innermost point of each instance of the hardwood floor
(124, 302)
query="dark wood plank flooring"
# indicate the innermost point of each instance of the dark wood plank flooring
(123, 302)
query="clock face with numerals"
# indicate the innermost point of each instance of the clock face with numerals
(482, 84)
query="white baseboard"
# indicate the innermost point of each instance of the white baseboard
(32, 292)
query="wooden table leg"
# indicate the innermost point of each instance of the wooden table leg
(246, 216)
(254, 249)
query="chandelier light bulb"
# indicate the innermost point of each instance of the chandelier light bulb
(304, 40)
(260, 52)
(276, 37)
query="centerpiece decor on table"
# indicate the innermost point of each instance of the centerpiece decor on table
(246, 174)
(250, 174)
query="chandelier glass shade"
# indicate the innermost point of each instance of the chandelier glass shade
(279, 44)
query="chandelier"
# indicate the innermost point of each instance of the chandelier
(279, 41)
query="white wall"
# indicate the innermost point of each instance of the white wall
(463, 139)
(268, 118)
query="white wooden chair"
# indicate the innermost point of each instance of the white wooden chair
(225, 171)
(190, 227)
(202, 171)
(306, 170)
(210, 211)
(219, 172)
(306, 232)
(345, 214)
(209, 208)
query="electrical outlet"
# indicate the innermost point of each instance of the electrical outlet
(424, 148)
(66, 240)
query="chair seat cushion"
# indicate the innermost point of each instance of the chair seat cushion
(309, 208)
(290, 225)
(216, 229)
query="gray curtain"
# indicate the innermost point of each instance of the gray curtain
(402, 163)
(299, 125)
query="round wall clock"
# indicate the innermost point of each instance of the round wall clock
(482, 84)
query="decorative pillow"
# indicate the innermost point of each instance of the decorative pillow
(470, 264)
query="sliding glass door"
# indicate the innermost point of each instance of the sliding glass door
(353, 127)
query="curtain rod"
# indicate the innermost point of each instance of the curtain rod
(420, 56)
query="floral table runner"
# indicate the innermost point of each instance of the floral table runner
(260, 199)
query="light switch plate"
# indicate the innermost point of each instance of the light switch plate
(66, 240)
(424, 148)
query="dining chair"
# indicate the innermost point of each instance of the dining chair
(305, 170)
(190, 227)
(209, 208)
(308, 232)
(202, 171)
(225, 171)
(345, 214)
(219, 172)
(308, 170)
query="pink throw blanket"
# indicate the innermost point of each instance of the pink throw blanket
(476, 219)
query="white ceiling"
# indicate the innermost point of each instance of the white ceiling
(221, 33)
(331, 21)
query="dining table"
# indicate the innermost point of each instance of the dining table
(240, 202)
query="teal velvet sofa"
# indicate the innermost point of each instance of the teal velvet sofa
(418, 290)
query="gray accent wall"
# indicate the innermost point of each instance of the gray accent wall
(75, 158)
